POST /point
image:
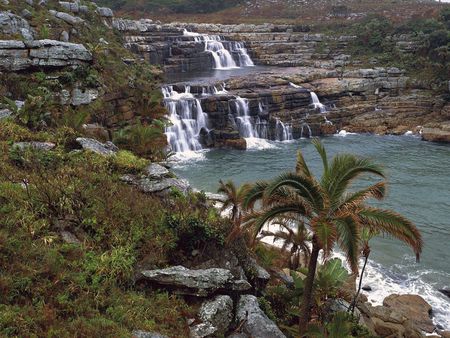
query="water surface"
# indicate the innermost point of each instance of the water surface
(419, 187)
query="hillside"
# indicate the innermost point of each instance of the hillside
(277, 11)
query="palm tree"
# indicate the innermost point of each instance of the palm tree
(296, 241)
(332, 213)
(365, 236)
(234, 199)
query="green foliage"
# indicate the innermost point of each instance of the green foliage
(55, 289)
(193, 232)
(371, 33)
(144, 140)
(330, 277)
(126, 161)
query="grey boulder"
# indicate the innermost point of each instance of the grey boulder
(199, 283)
(4, 113)
(105, 12)
(218, 312)
(156, 170)
(105, 149)
(256, 323)
(70, 19)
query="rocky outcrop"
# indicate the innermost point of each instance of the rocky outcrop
(413, 307)
(200, 283)
(437, 132)
(44, 146)
(105, 149)
(22, 55)
(11, 24)
(402, 316)
(160, 186)
(157, 171)
(216, 315)
(254, 321)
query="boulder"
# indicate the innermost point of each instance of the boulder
(14, 24)
(199, 283)
(155, 170)
(83, 97)
(69, 237)
(44, 146)
(64, 36)
(443, 291)
(105, 149)
(70, 19)
(146, 334)
(414, 308)
(152, 186)
(105, 12)
(202, 330)
(218, 312)
(4, 113)
(255, 322)
(437, 133)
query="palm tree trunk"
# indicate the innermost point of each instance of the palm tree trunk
(305, 306)
(353, 305)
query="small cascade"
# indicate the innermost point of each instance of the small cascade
(316, 103)
(308, 128)
(187, 118)
(213, 90)
(244, 59)
(283, 131)
(222, 51)
(243, 119)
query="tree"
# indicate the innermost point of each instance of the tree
(296, 241)
(365, 236)
(333, 214)
(234, 199)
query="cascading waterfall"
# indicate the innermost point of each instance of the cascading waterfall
(316, 103)
(243, 119)
(308, 128)
(187, 120)
(283, 131)
(222, 51)
(242, 53)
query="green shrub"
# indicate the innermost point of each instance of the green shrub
(126, 161)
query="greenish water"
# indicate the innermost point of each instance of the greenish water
(419, 177)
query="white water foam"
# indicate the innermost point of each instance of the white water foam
(343, 133)
(386, 281)
(254, 143)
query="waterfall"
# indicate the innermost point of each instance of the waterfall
(241, 51)
(316, 103)
(283, 131)
(187, 119)
(308, 128)
(222, 51)
(243, 119)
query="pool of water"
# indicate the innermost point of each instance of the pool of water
(419, 187)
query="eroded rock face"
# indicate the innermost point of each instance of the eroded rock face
(413, 307)
(105, 149)
(437, 132)
(216, 315)
(18, 55)
(14, 24)
(195, 282)
(256, 323)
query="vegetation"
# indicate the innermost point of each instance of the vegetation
(333, 214)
